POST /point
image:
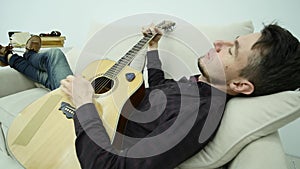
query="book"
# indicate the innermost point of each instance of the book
(53, 41)
(19, 39)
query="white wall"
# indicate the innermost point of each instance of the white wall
(74, 20)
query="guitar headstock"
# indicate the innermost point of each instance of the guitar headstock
(166, 25)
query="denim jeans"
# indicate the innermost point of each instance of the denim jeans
(48, 67)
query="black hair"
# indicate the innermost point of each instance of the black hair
(275, 66)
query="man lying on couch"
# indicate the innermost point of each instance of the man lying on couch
(252, 65)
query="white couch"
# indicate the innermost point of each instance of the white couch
(248, 135)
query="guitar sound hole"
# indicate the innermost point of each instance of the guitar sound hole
(102, 84)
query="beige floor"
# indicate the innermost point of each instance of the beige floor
(7, 163)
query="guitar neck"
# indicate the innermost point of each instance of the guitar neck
(128, 57)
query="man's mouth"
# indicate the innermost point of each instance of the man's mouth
(201, 66)
(211, 54)
(206, 60)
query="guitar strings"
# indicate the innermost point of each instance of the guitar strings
(99, 86)
(124, 61)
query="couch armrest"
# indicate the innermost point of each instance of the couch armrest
(266, 152)
(12, 82)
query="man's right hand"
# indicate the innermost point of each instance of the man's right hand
(78, 89)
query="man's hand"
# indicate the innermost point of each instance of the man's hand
(78, 89)
(153, 44)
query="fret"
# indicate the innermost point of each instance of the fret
(136, 48)
(109, 75)
(130, 52)
(139, 46)
(144, 41)
(124, 61)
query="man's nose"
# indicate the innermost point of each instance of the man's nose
(219, 44)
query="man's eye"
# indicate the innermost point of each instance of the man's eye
(229, 51)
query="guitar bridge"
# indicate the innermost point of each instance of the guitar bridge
(67, 109)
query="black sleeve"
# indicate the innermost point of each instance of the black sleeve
(95, 151)
(91, 137)
(156, 75)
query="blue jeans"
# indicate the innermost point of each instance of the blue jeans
(48, 67)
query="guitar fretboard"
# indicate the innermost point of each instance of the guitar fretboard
(128, 57)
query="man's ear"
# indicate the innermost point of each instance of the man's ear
(241, 86)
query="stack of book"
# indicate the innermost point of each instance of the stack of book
(53, 41)
(19, 40)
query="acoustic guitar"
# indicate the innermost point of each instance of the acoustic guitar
(42, 136)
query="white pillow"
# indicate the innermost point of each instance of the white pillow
(227, 32)
(245, 120)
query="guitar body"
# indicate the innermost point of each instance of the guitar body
(42, 137)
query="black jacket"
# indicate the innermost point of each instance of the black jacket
(173, 122)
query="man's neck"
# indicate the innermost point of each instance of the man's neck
(220, 86)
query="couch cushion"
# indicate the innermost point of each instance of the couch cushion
(245, 120)
(272, 156)
(12, 105)
(10, 81)
(6, 162)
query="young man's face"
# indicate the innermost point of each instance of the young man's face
(224, 63)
